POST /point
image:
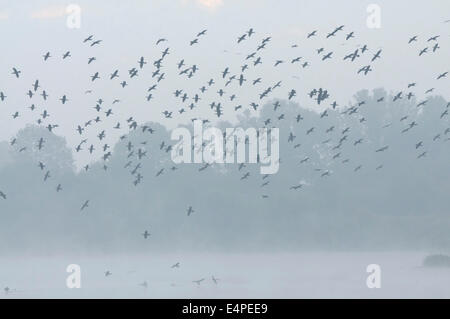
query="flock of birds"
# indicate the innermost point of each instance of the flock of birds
(221, 83)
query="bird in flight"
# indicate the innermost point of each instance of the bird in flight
(443, 75)
(366, 69)
(311, 34)
(423, 51)
(382, 149)
(89, 38)
(160, 40)
(413, 39)
(377, 55)
(422, 155)
(242, 38)
(95, 77)
(142, 62)
(198, 282)
(16, 72)
(95, 42)
(64, 99)
(85, 205)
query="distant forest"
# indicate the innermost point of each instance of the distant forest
(373, 176)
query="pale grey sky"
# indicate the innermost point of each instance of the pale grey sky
(129, 30)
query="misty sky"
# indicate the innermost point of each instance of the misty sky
(130, 29)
